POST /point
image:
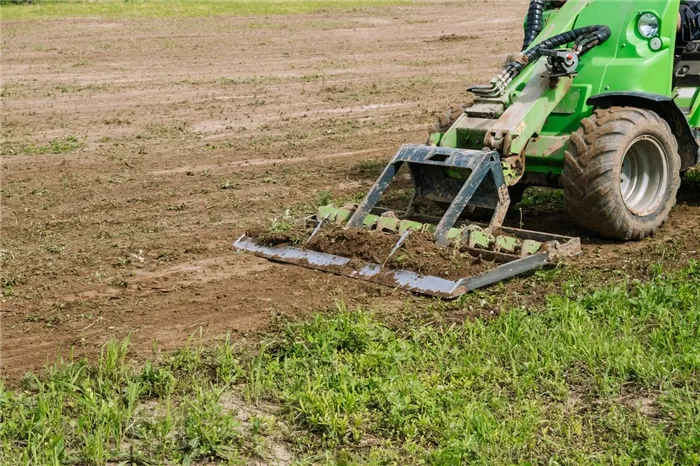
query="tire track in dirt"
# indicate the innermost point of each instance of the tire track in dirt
(266, 162)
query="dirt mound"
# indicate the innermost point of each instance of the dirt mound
(453, 38)
(418, 253)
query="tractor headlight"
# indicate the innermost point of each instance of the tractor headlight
(648, 25)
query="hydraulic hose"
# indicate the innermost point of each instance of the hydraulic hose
(584, 40)
(534, 22)
(589, 34)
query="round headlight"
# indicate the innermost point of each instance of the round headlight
(648, 25)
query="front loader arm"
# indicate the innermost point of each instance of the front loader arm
(528, 114)
(508, 122)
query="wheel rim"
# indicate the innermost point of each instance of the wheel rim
(644, 176)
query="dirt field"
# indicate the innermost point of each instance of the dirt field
(136, 150)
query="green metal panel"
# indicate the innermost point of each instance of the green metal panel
(537, 118)
(625, 62)
(544, 153)
(694, 114)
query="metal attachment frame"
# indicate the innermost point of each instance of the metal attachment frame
(482, 164)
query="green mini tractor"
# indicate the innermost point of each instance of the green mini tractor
(602, 102)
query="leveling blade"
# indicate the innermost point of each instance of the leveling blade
(404, 279)
(454, 179)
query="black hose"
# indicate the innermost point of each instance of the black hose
(564, 38)
(595, 38)
(585, 39)
(534, 22)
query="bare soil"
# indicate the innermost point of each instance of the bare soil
(136, 150)
(417, 253)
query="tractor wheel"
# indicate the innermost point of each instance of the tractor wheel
(621, 173)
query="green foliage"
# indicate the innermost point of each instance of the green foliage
(324, 198)
(93, 414)
(208, 431)
(691, 178)
(610, 378)
(542, 198)
(55, 146)
(280, 226)
(600, 379)
(41, 9)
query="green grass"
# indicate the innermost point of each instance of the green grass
(178, 8)
(691, 179)
(326, 197)
(55, 146)
(537, 197)
(607, 378)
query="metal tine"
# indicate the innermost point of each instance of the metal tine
(317, 228)
(398, 244)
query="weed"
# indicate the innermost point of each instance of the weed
(181, 8)
(208, 431)
(542, 198)
(54, 248)
(40, 192)
(176, 207)
(67, 144)
(608, 378)
(280, 226)
(324, 198)
(691, 178)
(160, 131)
(120, 282)
(480, 393)
(166, 256)
(311, 77)
(6, 256)
(227, 185)
(373, 166)
(55, 146)
(116, 121)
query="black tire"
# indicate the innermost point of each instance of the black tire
(611, 200)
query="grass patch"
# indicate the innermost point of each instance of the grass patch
(179, 8)
(325, 197)
(607, 378)
(691, 179)
(111, 411)
(370, 168)
(537, 197)
(55, 146)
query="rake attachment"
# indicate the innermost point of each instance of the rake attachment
(454, 180)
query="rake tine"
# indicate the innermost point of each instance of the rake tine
(317, 228)
(397, 245)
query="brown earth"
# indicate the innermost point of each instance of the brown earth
(418, 252)
(136, 150)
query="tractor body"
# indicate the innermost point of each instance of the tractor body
(605, 105)
(623, 71)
